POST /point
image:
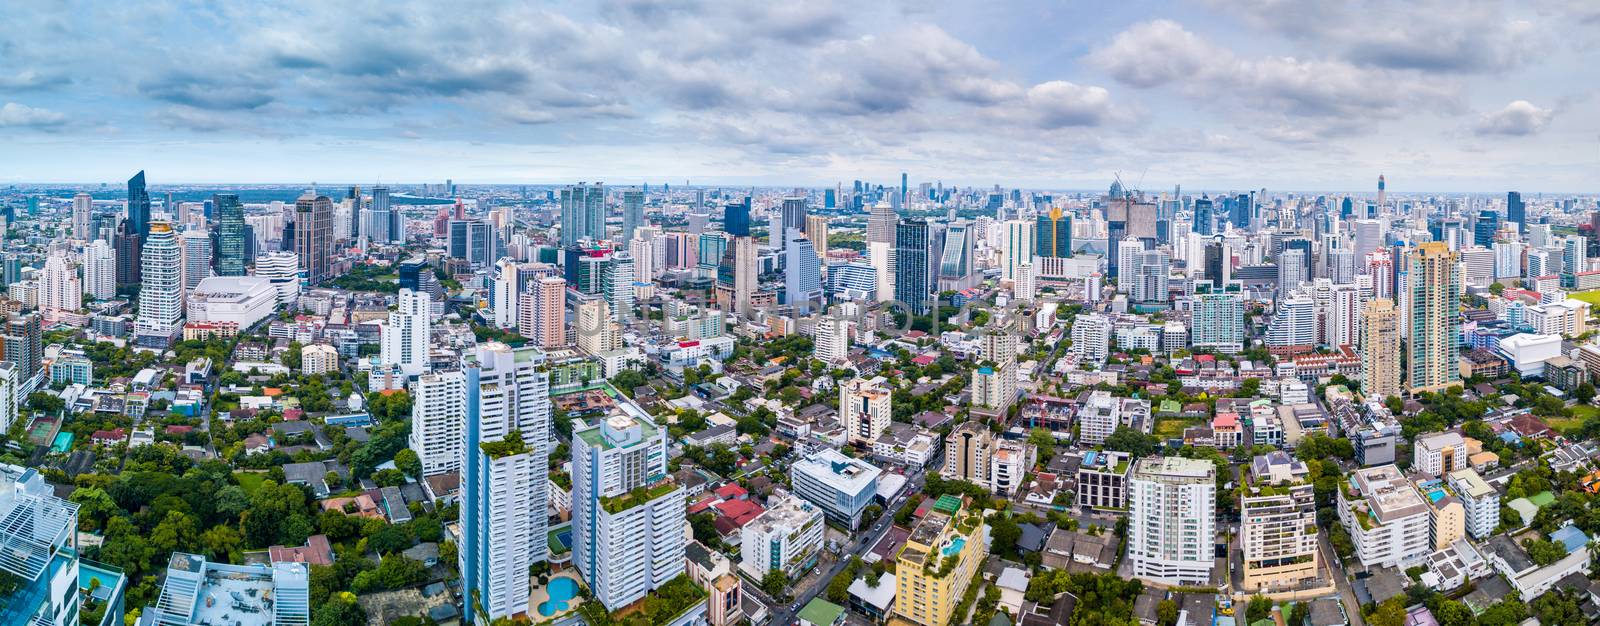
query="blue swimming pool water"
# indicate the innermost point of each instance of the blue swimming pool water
(565, 537)
(561, 590)
(955, 546)
(1436, 495)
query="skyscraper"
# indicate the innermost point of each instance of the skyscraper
(627, 515)
(744, 275)
(354, 196)
(802, 273)
(794, 214)
(100, 270)
(1484, 229)
(864, 405)
(404, 339)
(138, 205)
(1205, 220)
(161, 292)
(1016, 246)
(1218, 263)
(82, 207)
(196, 257)
(583, 213)
(60, 289)
(817, 232)
(549, 313)
(314, 236)
(438, 421)
(1433, 324)
(230, 234)
(1516, 211)
(1380, 349)
(1054, 234)
(911, 285)
(1172, 520)
(632, 212)
(956, 271)
(736, 218)
(504, 479)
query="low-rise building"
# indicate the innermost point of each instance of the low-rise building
(787, 537)
(1507, 555)
(839, 485)
(1103, 480)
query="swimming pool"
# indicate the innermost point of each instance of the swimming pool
(561, 590)
(1436, 495)
(955, 546)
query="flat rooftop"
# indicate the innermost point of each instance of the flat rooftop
(1388, 493)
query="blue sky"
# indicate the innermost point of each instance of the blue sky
(1438, 96)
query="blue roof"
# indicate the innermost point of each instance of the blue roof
(1570, 537)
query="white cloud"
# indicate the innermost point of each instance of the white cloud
(1517, 118)
(23, 116)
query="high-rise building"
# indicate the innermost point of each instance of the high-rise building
(60, 289)
(1484, 229)
(736, 218)
(1205, 221)
(161, 292)
(283, 269)
(230, 234)
(864, 408)
(196, 257)
(129, 251)
(314, 236)
(1017, 246)
(1053, 232)
(405, 338)
(1516, 211)
(100, 270)
(1291, 270)
(82, 208)
(1278, 530)
(794, 215)
(1150, 279)
(966, 453)
(927, 591)
(802, 273)
(583, 213)
(42, 566)
(1091, 338)
(1172, 529)
(617, 285)
(1218, 263)
(832, 339)
(548, 328)
(1480, 502)
(353, 195)
(138, 205)
(817, 232)
(1217, 322)
(911, 285)
(1388, 521)
(787, 537)
(627, 514)
(438, 421)
(504, 479)
(632, 212)
(1380, 349)
(1433, 321)
(744, 276)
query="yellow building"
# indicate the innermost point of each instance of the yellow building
(938, 562)
(1447, 522)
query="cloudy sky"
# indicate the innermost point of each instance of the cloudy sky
(1447, 95)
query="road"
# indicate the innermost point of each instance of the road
(783, 615)
(1347, 595)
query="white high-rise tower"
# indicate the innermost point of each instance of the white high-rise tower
(161, 291)
(100, 270)
(405, 337)
(60, 289)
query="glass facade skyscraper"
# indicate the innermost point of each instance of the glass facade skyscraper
(1053, 236)
(230, 234)
(911, 264)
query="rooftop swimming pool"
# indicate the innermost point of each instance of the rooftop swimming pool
(954, 547)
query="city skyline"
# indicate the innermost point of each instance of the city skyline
(1266, 94)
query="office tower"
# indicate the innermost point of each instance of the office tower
(438, 421)
(617, 286)
(1291, 270)
(1217, 322)
(817, 232)
(830, 198)
(82, 207)
(314, 236)
(843, 487)
(196, 257)
(967, 452)
(736, 218)
(405, 337)
(138, 205)
(1387, 519)
(504, 479)
(1053, 232)
(161, 292)
(903, 197)
(1172, 528)
(1150, 279)
(1278, 529)
(1433, 324)
(583, 213)
(1516, 211)
(1205, 221)
(100, 270)
(627, 514)
(881, 225)
(744, 276)
(60, 289)
(802, 274)
(129, 245)
(1382, 201)
(927, 591)
(632, 212)
(353, 194)
(794, 214)
(911, 286)
(1218, 263)
(1091, 338)
(283, 269)
(1574, 254)
(1017, 246)
(1484, 229)
(956, 264)
(864, 409)
(787, 537)
(230, 234)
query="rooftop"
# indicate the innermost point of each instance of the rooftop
(200, 592)
(841, 472)
(1388, 494)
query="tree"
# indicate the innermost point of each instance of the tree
(176, 530)
(406, 460)
(1259, 608)
(1543, 551)
(1045, 441)
(1004, 533)
(1167, 613)
(1133, 442)
(222, 543)
(1391, 613)
(340, 610)
(396, 571)
(1585, 393)
(774, 583)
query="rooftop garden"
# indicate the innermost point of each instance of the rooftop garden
(511, 445)
(636, 497)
